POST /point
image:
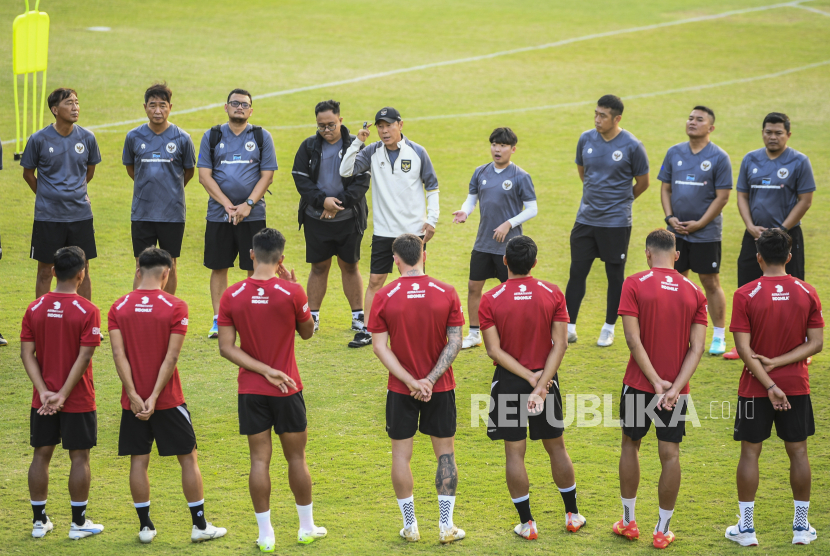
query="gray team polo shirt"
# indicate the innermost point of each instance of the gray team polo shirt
(610, 167)
(774, 185)
(236, 167)
(329, 181)
(61, 164)
(501, 196)
(694, 179)
(159, 162)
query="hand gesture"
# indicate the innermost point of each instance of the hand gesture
(536, 400)
(283, 273)
(675, 223)
(44, 408)
(459, 217)
(136, 404)
(755, 231)
(242, 212)
(149, 409)
(534, 379)
(691, 226)
(420, 389)
(501, 232)
(662, 386)
(54, 403)
(428, 230)
(669, 399)
(363, 134)
(765, 361)
(280, 380)
(778, 399)
(331, 206)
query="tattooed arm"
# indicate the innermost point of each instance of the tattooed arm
(448, 355)
(446, 477)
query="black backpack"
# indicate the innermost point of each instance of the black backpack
(216, 136)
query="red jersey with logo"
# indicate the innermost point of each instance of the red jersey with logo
(59, 324)
(666, 304)
(776, 311)
(416, 311)
(523, 311)
(265, 314)
(146, 319)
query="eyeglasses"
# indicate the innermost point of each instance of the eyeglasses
(327, 127)
(237, 104)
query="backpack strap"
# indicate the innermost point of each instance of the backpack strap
(259, 141)
(215, 137)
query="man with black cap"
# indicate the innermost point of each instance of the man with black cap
(404, 196)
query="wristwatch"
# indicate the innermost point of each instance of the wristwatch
(251, 203)
(669, 217)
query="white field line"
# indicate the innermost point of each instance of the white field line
(814, 10)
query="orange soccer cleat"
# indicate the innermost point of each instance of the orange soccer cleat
(629, 531)
(661, 540)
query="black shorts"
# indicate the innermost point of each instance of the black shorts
(438, 416)
(76, 431)
(324, 240)
(755, 416)
(509, 420)
(749, 269)
(484, 266)
(224, 241)
(48, 237)
(635, 418)
(258, 413)
(170, 428)
(594, 242)
(168, 235)
(382, 261)
(700, 258)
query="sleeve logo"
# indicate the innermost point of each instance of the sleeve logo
(305, 308)
(79, 148)
(184, 321)
(96, 331)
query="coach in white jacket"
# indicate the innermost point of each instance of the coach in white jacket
(404, 196)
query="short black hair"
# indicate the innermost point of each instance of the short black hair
(771, 118)
(409, 247)
(661, 240)
(153, 257)
(69, 261)
(707, 110)
(613, 103)
(160, 91)
(59, 95)
(504, 136)
(268, 245)
(774, 246)
(520, 254)
(327, 105)
(241, 92)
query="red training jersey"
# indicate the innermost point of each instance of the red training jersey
(667, 304)
(59, 324)
(416, 311)
(523, 311)
(776, 311)
(146, 319)
(265, 314)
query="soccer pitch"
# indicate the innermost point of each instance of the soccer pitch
(455, 70)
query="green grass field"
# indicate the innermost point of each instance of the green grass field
(204, 49)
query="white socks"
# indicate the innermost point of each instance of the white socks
(663, 521)
(609, 327)
(306, 517)
(628, 509)
(800, 517)
(266, 531)
(215, 317)
(475, 331)
(446, 504)
(747, 509)
(571, 328)
(719, 333)
(407, 506)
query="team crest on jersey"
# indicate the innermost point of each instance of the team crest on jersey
(406, 165)
(416, 292)
(783, 173)
(705, 165)
(79, 148)
(171, 148)
(617, 156)
(250, 146)
(507, 185)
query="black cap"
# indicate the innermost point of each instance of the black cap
(388, 114)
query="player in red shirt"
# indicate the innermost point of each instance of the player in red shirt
(664, 318)
(147, 329)
(771, 317)
(266, 310)
(60, 332)
(525, 327)
(416, 322)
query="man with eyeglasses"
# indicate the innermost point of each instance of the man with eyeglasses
(332, 209)
(236, 166)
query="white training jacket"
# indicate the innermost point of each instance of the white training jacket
(404, 194)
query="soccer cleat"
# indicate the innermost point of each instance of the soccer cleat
(357, 325)
(572, 337)
(447, 535)
(308, 537)
(208, 533)
(744, 537)
(804, 535)
(411, 533)
(606, 338)
(361, 339)
(732, 354)
(267, 545)
(39, 529)
(86, 530)
(574, 521)
(527, 530)
(471, 340)
(214, 330)
(663, 540)
(629, 531)
(718, 346)
(316, 323)
(146, 535)
(3, 341)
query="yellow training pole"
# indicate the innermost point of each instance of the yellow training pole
(16, 118)
(25, 100)
(42, 96)
(30, 37)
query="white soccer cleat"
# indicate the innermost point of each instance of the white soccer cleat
(357, 325)
(266, 545)
(804, 536)
(606, 338)
(308, 537)
(447, 535)
(527, 530)
(572, 337)
(207, 534)
(744, 537)
(573, 522)
(86, 530)
(146, 535)
(316, 324)
(471, 340)
(411, 533)
(39, 529)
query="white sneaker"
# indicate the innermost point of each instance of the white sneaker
(449, 534)
(146, 535)
(86, 530)
(411, 533)
(572, 337)
(606, 338)
(39, 529)
(804, 536)
(471, 340)
(744, 537)
(207, 534)
(308, 537)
